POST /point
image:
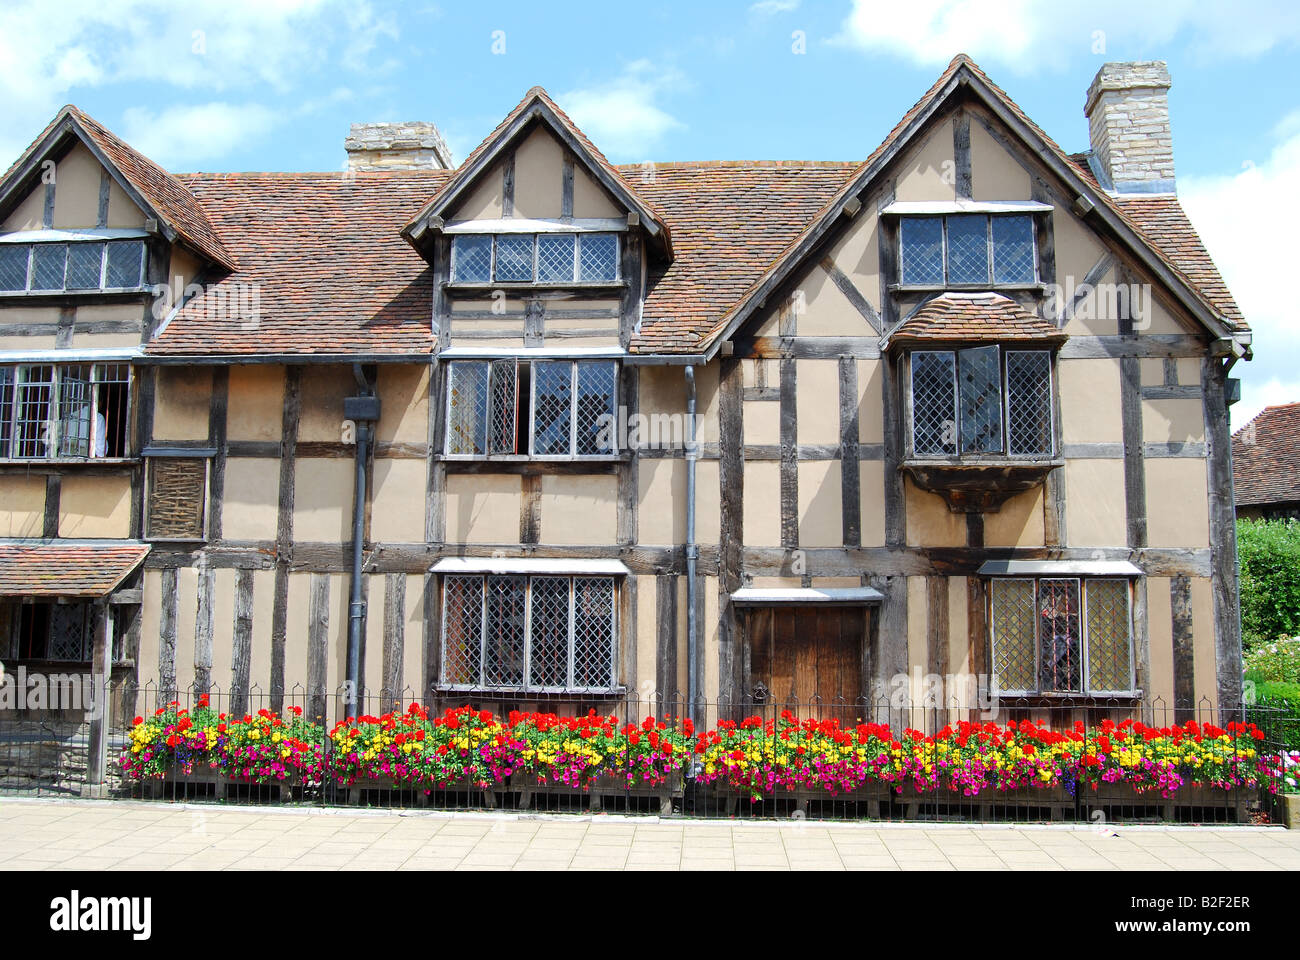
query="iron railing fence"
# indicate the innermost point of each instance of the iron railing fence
(48, 754)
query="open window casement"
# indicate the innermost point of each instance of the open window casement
(503, 411)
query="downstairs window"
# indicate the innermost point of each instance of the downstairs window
(1061, 635)
(537, 633)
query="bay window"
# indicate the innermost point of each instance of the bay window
(985, 400)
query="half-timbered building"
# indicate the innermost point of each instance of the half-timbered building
(549, 429)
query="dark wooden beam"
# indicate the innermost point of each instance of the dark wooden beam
(850, 457)
(168, 610)
(217, 431)
(390, 691)
(1180, 600)
(242, 650)
(789, 456)
(936, 625)
(318, 623)
(961, 155)
(284, 530)
(203, 629)
(1224, 585)
(731, 480)
(895, 492)
(530, 509)
(666, 640)
(53, 505)
(629, 494)
(566, 188)
(508, 187)
(852, 293)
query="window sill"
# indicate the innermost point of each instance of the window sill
(978, 484)
(68, 461)
(526, 692)
(477, 289)
(126, 293)
(1034, 287)
(1067, 699)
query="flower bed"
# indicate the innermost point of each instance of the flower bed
(261, 748)
(765, 758)
(470, 749)
(473, 748)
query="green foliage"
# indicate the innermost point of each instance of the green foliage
(1277, 711)
(1276, 661)
(1269, 551)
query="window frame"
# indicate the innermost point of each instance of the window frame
(64, 289)
(1085, 679)
(576, 281)
(54, 419)
(570, 687)
(992, 283)
(205, 496)
(1004, 395)
(530, 453)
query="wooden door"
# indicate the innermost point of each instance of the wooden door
(807, 660)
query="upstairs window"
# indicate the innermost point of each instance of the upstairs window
(535, 258)
(551, 409)
(64, 411)
(981, 401)
(969, 249)
(541, 633)
(1062, 635)
(72, 267)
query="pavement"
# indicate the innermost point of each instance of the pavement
(51, 834)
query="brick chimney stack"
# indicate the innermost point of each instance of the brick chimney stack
(412, 145)
(1128, 123)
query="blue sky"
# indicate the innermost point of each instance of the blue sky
(274, 84)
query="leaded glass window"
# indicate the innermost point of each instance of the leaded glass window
(968, 249)
(531, 258)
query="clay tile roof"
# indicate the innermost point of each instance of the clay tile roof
(66, 570)
(174, 204)
(729, 221)
(1266, 457)
(975, 318)
(534, 95)
(322, 267)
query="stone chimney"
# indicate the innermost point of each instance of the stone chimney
(1128, 124)
(413, 145)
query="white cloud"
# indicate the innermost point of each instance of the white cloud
(51, 54)
(1247, 221)
(181, 137)
(770, 8)
(1024, 35)
(621, 116)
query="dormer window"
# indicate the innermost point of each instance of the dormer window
(526, 258)
(968, 250)
(72, 267)
(981, 401)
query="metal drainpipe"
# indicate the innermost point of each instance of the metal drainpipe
(692, 550)
(357, 606)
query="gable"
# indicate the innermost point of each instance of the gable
(85, 195)
(529, 181)
(920, 161)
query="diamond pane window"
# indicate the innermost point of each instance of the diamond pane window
(49, 262)
(552, 408)
(934, 403)
(552, 633)
(514, 262)
(471, 259)
(69, 631)
(503, 643)
(504, 390)
(598, 258)
(555, 258)
(467, 406)
(85, 260)
(1014, 634)
(1060, 665)
(462, 629)
(1013, 249)
(968, 249)
(593, 632)
(980, 400)
(922, 249)
(548, 655)
(595, 417)
(125, 264)
(1109, 637)
(13, 266)
(1029, 403)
